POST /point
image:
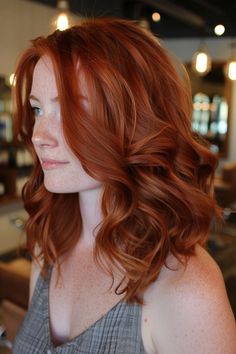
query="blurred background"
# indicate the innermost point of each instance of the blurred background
(202, 35)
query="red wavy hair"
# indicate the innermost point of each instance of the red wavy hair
(136, 140)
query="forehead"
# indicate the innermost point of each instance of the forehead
(43, 76)
(44, 81)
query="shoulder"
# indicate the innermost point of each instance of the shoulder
(187, 310)
(35, 272)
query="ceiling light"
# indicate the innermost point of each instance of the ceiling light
(12, 80)
(230, 67)
(231, 70)
(62, 20)
(201, 61)
(219, 30)
(156, 16)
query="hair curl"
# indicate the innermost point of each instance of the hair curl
(136, 139)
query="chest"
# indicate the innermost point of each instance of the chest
(82, 295)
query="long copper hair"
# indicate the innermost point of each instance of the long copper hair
(136, 139)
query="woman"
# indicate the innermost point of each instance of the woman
(119, 200)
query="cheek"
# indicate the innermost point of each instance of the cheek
(36, 151)
(72, 179)
(79, 178)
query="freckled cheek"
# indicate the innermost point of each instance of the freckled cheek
(35, 148)
(34, 143)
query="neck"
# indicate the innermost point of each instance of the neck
(90, 207)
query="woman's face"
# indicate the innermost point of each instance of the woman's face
(63, 172)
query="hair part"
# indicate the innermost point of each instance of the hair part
(136, 139)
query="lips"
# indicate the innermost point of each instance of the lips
(49, 164)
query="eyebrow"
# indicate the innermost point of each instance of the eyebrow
(32, 97)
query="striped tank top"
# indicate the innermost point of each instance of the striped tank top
(117, 332)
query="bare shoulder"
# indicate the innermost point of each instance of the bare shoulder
(187, 310)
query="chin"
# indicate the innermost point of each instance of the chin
(56, 190)
(53, 188)
(60, 187)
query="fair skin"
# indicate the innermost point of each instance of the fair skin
(185, 311)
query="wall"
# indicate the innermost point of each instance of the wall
(218, 48)
(20, 21)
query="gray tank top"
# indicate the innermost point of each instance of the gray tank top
(117, 332)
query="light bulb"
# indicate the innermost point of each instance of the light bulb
(219, 30)
(62, 19)
(230, 70)
(62, 22)
(12, 79)
(201, 62)
(156, 16)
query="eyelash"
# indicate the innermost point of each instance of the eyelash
(37, 111)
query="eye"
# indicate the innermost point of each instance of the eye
(37, 111)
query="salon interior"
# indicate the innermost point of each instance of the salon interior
(202, 35)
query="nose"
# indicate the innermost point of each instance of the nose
(44, 134)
